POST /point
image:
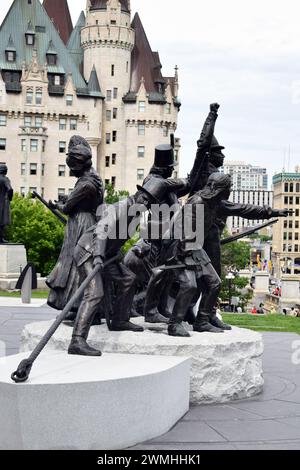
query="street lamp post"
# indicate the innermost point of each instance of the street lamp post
(230, 276)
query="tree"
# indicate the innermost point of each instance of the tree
(38, 229)
(112, 196)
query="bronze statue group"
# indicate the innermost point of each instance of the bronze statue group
(161, 278)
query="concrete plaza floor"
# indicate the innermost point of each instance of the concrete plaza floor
(269, 421)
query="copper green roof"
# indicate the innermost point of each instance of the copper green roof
(74, 43)
(23, 14)
(286, 177)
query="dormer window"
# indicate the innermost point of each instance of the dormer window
(10, 51)
(30, 39)
(30, 35)
(10, 56)
(51, 54)
(51, 59)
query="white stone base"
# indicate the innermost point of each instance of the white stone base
(79, 403)
(225, 366)
(13, 259)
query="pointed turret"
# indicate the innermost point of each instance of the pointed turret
(58, 11)
(74, 43)
(93, 85)
(145, 62)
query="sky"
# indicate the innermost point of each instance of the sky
(245, 55)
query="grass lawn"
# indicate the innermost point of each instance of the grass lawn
(270, 322)
(35, 294)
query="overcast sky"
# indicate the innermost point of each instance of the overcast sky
(243, 54)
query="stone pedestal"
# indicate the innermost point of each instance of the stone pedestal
(262, 279)
(225, 366)
(290, 294)
(12, 260)
(91, 403)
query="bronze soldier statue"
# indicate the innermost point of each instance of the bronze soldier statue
(98, 245)
(199, 274)
(80, 207)
(6, 195)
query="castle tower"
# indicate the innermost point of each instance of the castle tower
(107, 41)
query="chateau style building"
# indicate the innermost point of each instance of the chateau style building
(100, 79)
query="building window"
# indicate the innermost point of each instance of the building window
(62, 147)
(291, 200)
(297, 212)
(115, 113)
(165, 131)
(108, 138)
(113, 22)
(22, 191)
(108, 115)
(107, 162)
(115, 93)
(114, 136)
(10, 56)
(38, 96)
(30, 39)
(168, 108)
(140, 174)
(51, 59)
(38, 121)
(286, 200)
(61, 194)
(291, 188)
(23, 145)
(108, 95)
(113, 180)
(3, 120)
(297, 236)
(2, 144)
(33, 168)
(29, 97)
(297, 224)
(141, 152)
(73, 124)
(107, 182)
(62, 124)
(112, 70)
(57, 80)
(296, 248)
(27, 121)
(285, 224)
(43, 169)
(43, 146)
(62, 170)
(297, 200)
(298, 188)
(114, 159)
(23, 169)
(141, 129)
(142, 106)
(69, 100)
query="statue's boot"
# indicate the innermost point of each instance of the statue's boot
(202, 324)
(215, 321)
(79, 347)
(126, 326)
(190, 316)
(153, 316)
(175, 327)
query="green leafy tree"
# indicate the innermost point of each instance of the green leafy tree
(112, 196)
(38, 229)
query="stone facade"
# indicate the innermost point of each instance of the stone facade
(93, 86)
(286, 233)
